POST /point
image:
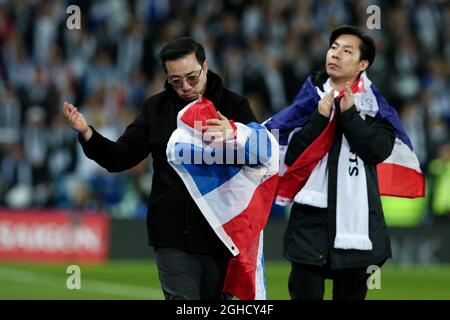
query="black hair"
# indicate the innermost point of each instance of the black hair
(181, 47)
(367, 45)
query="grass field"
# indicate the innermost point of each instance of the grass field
(137, 279)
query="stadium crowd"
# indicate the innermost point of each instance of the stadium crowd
(263, 49)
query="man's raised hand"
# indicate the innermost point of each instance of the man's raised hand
(348, 100)
(76, 121)
(326, 104)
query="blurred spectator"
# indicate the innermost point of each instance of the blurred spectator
(413, 121)
(440, 172)
(130, 50)
(36, 143)
(275, 83)
(61, 151)
(45, 31)
(253, 20)
(10, 116)
(16, 178)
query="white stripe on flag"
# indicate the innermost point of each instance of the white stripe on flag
(402, 155)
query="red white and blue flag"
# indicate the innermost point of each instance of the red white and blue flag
(233, 183)
(399, 175)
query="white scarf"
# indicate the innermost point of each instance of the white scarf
(352, 207)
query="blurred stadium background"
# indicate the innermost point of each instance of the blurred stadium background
(58, 208)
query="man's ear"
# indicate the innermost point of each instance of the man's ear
(205, 65)
(363, 65)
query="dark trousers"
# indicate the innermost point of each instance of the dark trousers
(307, 282)
(186, 276)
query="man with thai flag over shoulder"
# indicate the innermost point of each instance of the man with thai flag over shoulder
(342, 145)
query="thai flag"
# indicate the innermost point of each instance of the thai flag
(399, 175)
(233, 183)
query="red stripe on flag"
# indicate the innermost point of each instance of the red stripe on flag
(399, 181)
(248, 224)
(245, 230)
(240, 280)
(298, 173)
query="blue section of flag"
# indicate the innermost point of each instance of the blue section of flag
(210, 177)
(257, 151)
(297, 114)
(258, 148)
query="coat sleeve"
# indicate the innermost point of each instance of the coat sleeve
(130, 149)
(243, 113)
(371, 139)
(302, 139)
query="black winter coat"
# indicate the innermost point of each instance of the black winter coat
(310, 233)
(173, 218)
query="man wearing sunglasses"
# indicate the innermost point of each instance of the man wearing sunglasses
(191, 260)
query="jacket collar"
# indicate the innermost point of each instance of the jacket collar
(320, 77)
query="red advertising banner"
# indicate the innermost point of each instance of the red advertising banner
(53, 235)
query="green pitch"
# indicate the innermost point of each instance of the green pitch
(139, 280)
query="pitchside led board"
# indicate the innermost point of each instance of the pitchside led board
(54, 236)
